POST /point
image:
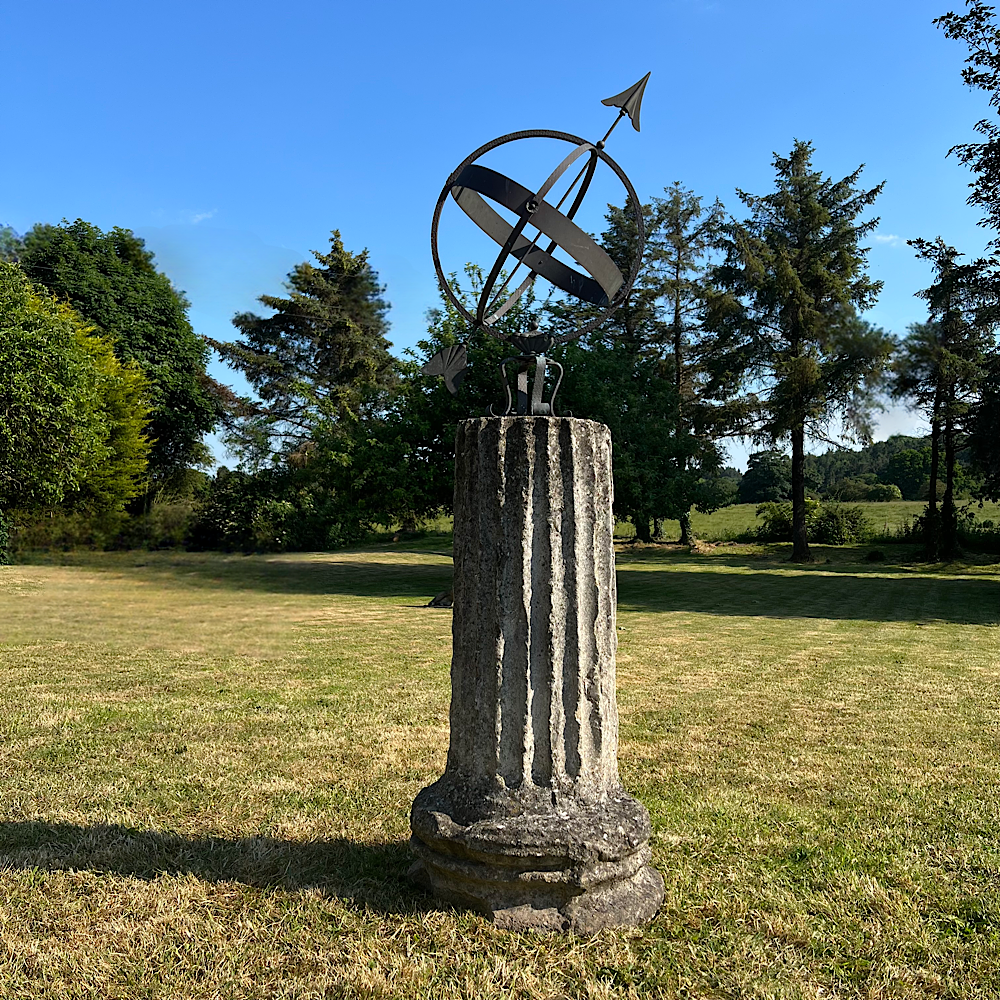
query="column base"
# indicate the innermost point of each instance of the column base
(580, 869)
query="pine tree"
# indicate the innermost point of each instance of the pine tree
(783, 314)
(685, 235)
(316, 360)
(941, 367)
(979, 30)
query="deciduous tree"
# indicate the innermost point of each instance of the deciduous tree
(71, 415)
(112, 281)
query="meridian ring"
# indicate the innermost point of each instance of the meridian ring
(605, 287)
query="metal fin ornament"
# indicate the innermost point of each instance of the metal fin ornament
(450, 363)
(629, 101)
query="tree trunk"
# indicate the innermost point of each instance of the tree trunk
(932, 534)
(800, 540)
(685, 518)
(642, 532)
(657, 528)
(949, 519)
(687, 537)
(4, 539)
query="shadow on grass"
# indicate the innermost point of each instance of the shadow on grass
(918, 599)
(292, 575)
(367, 874)
(762, 586)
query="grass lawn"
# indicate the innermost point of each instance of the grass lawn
(207, 765)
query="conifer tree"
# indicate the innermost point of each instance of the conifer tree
(979, 30)
(317, 359)
(942, 367)
(782, 312)
(685, 235)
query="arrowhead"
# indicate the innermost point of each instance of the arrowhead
(629, 101)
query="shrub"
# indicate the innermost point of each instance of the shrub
(826, 524)
(979, 536)
(884, 492)
(777, 520)
(164, 526)
(274, 510)
(839, 525)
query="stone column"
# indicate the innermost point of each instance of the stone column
(529, 822)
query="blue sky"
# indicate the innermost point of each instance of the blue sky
(234, 136)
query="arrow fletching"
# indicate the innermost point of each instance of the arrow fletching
(450, 363)
(629, 101)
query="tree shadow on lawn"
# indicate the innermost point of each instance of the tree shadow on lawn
(687, 583)
(289, 575)
(917, 599)
(367, 874)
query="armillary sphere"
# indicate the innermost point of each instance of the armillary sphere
(599, 282)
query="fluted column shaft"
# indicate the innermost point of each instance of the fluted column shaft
(533, 708)
(529, 822)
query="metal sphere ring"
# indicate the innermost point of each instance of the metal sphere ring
(603, 284)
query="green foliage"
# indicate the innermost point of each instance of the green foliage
(71, 415)
(839, 525)
(864, 488)
(614, 377)
(768, 478)
(783, 314)
(5, 531)
(658, 471)
(979, 31)
(111, 280)
(776, 519)
(826, 524)
(316, 360)
(884, 493)
(270, 510)
(941, 367)
(641, 374)
(910, 470)
(899, 459)
(124, 393)
(164, 525)
(11, 244)
(984, 436)
(978, 535)
(679, 252)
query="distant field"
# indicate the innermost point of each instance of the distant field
(728, 523)
(207, 764)
(731, 522)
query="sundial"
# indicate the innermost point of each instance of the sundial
(539, 229)
(530, 823)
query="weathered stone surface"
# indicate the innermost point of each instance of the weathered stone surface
(529, 822)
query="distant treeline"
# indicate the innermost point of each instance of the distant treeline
(751, 327)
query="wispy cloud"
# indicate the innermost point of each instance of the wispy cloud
(181, 216)
(889, 239)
